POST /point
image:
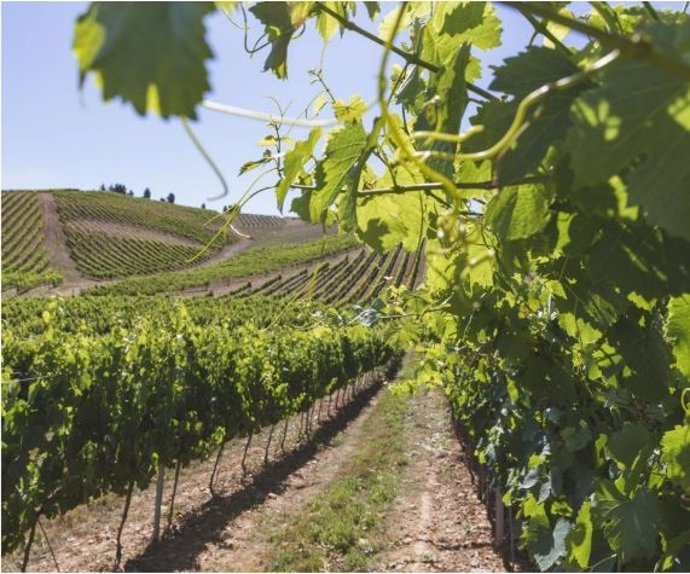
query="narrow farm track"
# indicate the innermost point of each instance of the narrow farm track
(56, 241)
(438, 524)
(242, 545)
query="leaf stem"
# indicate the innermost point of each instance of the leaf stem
(652, 12)
(541, 28)
(534, 97)
(488, 185)
(409, 57)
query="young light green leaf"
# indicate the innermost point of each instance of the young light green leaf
(675, 448)
(294, 162)
(678, 331)
(350, 112)
(340, 168)
(326, 24)
(559, 31)
(151, 54)
(473, 22)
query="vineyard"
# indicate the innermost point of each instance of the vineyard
(257, 260)
(190, 370)
(111, 235)
(358, 278)
(514, 244)
(24, 258)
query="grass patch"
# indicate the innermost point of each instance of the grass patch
(340, 530)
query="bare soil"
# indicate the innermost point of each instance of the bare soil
(56, 240)
(437, 523)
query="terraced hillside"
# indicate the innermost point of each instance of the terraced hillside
(112, 235)
(24, 259)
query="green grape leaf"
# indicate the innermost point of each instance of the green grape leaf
(579, 540)
(545, 545)
(294, 162)
(472, 22)
(252, 165)
(518, 212)
(547, 123)
(639, 118)
(341, 167)
(678, 331)
(151, 54)
(350, 112)
(626, 444)
(277, 20)
(447, 109)
(675, 448)
(386, 26)
(630, 525)
(453, 25)
(373, 9)
(559, 31)
(529, 70)
(576, 438)
(300, 205)
(326, 24)
(384, 221)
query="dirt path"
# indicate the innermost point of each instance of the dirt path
(437, 523)
(56, 240)
(243, 545)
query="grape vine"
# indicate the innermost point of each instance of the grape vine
(556, 307)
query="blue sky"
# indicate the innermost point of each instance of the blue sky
(54, 135)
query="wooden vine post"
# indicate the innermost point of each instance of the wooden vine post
(160, 482)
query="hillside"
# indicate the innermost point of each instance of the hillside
(82, 237)
(24, 257)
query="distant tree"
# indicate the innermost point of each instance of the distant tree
(203, 206)
(162, 199)
(102, 188)
(118, 188)
(130, 193)
(147, 193)
(171, 198)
